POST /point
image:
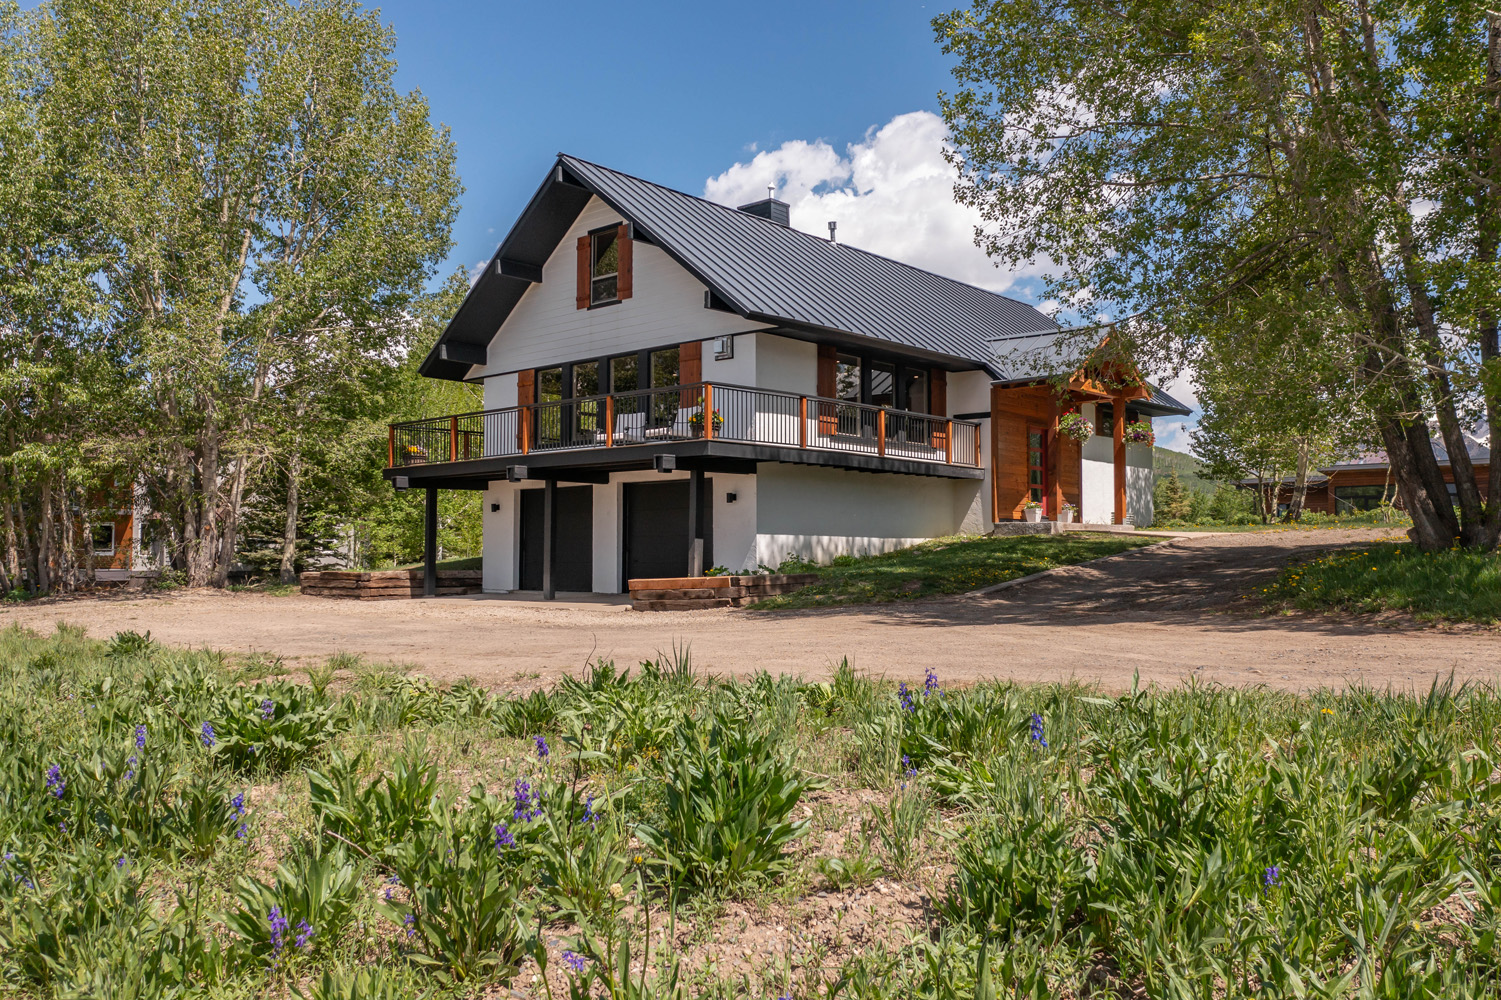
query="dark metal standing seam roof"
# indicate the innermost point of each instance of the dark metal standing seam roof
(764, 271)
(783, 275)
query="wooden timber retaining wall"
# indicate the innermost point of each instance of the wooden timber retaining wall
(386, 585)
(692, 593)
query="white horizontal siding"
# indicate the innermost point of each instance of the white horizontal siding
(546, 328)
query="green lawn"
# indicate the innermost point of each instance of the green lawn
(1454, 585)
(947, 566)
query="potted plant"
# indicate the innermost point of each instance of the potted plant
(696, 420)
(1032, 511)
(1140, 432)
(1066, 515)
(416, 454)
(1074, 425)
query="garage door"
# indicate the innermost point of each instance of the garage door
(573, 556)
(656, 529)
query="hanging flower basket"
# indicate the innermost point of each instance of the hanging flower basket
(1140, 432)
(1074, 425)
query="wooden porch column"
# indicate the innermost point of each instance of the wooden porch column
(1118, 430)
(430, 544)
(695, 523)
(1054, 465)
(549, 529)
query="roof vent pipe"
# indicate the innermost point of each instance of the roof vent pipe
(832, 227)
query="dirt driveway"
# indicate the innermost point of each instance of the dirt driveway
(1171, 612)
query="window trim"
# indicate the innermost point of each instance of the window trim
(595, 234)
(900, 366)
(114, 539)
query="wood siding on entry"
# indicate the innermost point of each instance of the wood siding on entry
(690, 362)
(1012, 411)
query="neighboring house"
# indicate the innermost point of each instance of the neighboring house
(1363, 482)
(118, 547)
(673, 384)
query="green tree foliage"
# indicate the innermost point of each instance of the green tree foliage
(1212, 172)
(256, 207)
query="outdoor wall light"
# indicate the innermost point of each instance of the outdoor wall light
(731, 497)
(495, 508)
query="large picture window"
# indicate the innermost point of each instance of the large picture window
(1353, 498)
(878, 382)
(104, 539)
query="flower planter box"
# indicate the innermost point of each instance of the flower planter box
(1033, 514)
(386, 585)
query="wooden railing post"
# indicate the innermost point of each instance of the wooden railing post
(948, 444)
(526, 430)
(708, 411)
(391, 447)
(609, 421)
(977, 446)
(802, 421)
(453, 439)
(881, 433)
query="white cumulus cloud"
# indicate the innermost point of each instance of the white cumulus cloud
(892, 193)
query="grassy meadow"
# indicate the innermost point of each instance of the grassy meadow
(952, 565)
(184, 824)
(1458, 585)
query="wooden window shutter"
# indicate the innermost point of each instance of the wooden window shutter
(938, 392)
(526, 387)
(581, 301)
(623, 243)
(828, 360)
(690, 361)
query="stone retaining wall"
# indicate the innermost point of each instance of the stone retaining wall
(693, 593)
(386, 585)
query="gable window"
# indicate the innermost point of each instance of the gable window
(104, 539)
(604, 267)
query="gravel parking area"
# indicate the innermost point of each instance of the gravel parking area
(1170, 612)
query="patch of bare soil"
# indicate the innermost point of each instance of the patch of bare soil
(1165, 613)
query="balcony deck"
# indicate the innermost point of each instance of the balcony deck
(626, 429)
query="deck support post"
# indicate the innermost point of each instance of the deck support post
(1055, 463)
(430, 544)
(695, 523)
(1118, 430)
(549, 531)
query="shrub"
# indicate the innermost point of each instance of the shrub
(390, 808)
(728, 796)
(307, 907)
(272, 726)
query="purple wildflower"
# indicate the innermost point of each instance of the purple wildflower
(55, 783)
(130, 767)
(141, 737)
(589, 814)
(503, 838)
(575, 961)
(410, 920)
(268, 709)
(930, 684)
(907, 765)
(1037, 734)
(1272, 878)
(278, 926)
(304, 933)
(528, 803)
(542, 750)
(906, 697)
(238, 803)
(122, 861)
(206, 734)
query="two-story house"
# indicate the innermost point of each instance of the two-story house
(672, 384)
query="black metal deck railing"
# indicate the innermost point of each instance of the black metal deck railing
(699, 411)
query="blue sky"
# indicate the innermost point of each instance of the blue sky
(673, 91)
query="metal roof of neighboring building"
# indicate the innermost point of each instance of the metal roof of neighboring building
(760, 269)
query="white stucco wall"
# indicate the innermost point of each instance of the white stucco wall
(546, 327)
(500, 531)
(1098, 480)
(818, 513)
(738, 370)
(788, 365)
(969, 392)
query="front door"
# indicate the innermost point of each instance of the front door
(573, 541)
(656, 529)
(1037, 468)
